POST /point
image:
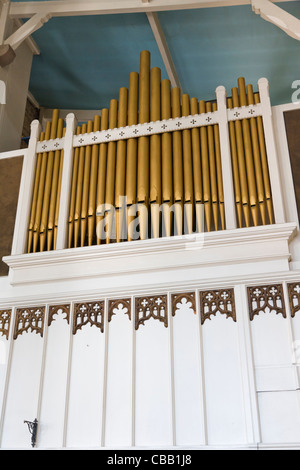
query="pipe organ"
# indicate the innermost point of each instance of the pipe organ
(88, 294)
(162, 184)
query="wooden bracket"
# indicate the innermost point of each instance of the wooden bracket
(22, 33)
(276, 15)
(10, 44)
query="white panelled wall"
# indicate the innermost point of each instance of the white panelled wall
(215, 381)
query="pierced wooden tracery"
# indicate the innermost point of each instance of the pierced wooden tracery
(151, 307)
(263, 299)
(186, 297)
(5, 318)
(59, 309)
(217, 301)
(29, 319)
(294, 297)
(119, 305)
(88, 313)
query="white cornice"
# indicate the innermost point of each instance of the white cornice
(210, 254)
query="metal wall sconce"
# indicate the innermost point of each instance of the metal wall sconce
(32, 427)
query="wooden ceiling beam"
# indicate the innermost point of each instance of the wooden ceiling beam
(102, 7)
(163, 48)
(277, 16)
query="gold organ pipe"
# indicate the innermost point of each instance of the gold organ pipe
(121, 165)
(235, 168)
(155, 152)
(241, 160)
(85, 188)
(264, 162)
(111, 171)
(187, 166)
(143, 144)
(35, 196)
(54, 188)
(197, 169)
(132, 145)
(181, 167)
(219, 171)
(77, 213)
(167, 173)
(58, 194)
(177, 162)
(212, 169)
(48, 184)
(257, 159)
(101, 180)
(205, 170)
(248, 154)
(73, 190)
(93, 185)
(39, 206)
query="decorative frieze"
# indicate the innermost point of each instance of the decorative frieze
(29, 319)
(119, 305)
(59, 310)
(217, 301)
(179, 300)
(294, 297)
(88, 313)
(5, 319)
(264, 299)
(151, 307)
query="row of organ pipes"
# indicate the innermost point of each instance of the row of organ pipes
(159, 185)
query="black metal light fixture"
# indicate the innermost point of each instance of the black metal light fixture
(32, 427)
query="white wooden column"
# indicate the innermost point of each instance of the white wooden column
(279, 213)
(66, 182)
(228, 185)
(25, 192)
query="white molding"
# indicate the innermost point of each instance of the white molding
(241, 248)
(25, 192)
(226, 159)
(151, 128)
(288, 189)
(272, 154)
(13, 154)
(101, 7)
(66, 182)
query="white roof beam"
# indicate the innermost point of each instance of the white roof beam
(101, 7)
(279, 17)
(26, 29)
(163, 48)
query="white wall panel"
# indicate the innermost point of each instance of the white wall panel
(23, 390)
(153, 398)
(84, 426)
(118, 422)
(272, 352)
(189, 412)
(279, 416)
(54, 387)
(4, 357)
(223, 384)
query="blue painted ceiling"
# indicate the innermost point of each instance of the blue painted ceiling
(85, 60)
